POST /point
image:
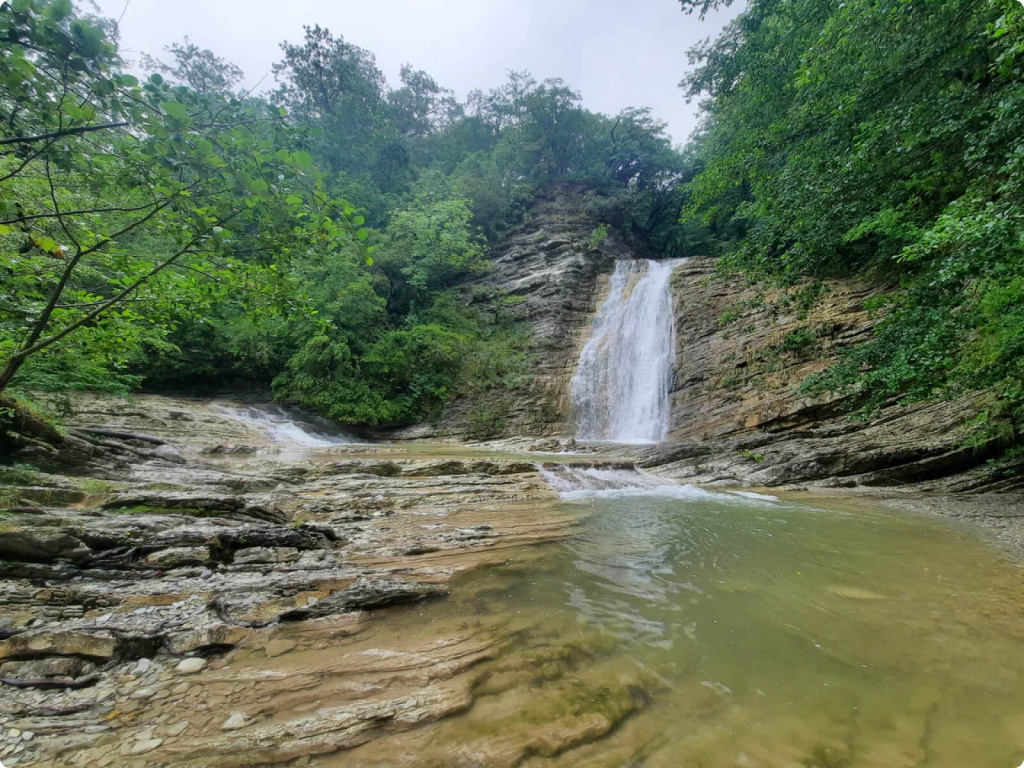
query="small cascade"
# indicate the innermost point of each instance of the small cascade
(620, 392)
(288, 427)
(581, 483)
(575, 483)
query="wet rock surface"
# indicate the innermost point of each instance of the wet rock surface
(120, 597)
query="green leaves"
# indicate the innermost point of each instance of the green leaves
(869, 134)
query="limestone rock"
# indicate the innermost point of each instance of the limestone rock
(35, 643)
(179, 557)
(236, 721)
(190, 666)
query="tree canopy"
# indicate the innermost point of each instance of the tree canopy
(174, 232)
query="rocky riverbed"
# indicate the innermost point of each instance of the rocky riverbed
(193, 583)
(195, 543)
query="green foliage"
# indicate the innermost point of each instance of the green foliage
(487, 422)
(749, 455)
(883, 138)
(175, 233)
(597, 237)
(127, 206)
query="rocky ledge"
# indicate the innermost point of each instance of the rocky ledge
(160, 548)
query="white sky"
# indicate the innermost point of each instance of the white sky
(617, 53)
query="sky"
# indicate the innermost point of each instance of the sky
(617, 53)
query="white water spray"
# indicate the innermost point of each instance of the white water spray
(620, 392)
(288, 427)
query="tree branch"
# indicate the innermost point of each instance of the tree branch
(62, 133)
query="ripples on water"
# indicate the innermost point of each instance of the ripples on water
(787, 635)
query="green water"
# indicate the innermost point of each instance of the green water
(779, 634)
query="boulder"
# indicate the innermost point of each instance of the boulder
(41, 643)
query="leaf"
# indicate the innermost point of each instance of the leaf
(362, 234)
(175, 109)
(303, 159)
(60, 9)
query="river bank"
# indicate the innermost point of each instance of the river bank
(240, 586)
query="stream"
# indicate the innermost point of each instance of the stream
(268, 590)
(749, 631)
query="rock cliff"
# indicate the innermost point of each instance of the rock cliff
(743, 350)
(739, 415)
(561, 277)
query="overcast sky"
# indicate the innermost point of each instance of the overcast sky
(617, 53)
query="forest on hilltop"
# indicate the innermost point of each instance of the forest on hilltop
(176, 231)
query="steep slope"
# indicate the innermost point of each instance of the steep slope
(739, 414)
(561, 278)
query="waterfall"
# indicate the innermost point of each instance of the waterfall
(620, 392)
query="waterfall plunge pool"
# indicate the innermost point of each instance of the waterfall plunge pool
(718, 631)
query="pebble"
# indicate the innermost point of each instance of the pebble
(178, 728)
(236, 721)
(190, 666)
(181, 688)
(278, 647)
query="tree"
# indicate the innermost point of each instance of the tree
(121, 200)
(336, 87)
(421, 107)
(199, 69)
(881, 138)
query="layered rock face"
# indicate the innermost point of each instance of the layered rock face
(561, 278)
(739, 415)
(115, 588)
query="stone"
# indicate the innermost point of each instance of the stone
(278, 647)
(142, 747)
(59, 643)
(178, 728)
(266, 555)
(236, 721)
(190, 666)
(179, 557)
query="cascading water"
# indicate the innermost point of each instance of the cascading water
(288, 427)
(620, 392)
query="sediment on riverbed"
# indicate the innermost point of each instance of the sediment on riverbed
(152, 546)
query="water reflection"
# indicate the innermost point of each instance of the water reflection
(890, 640)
